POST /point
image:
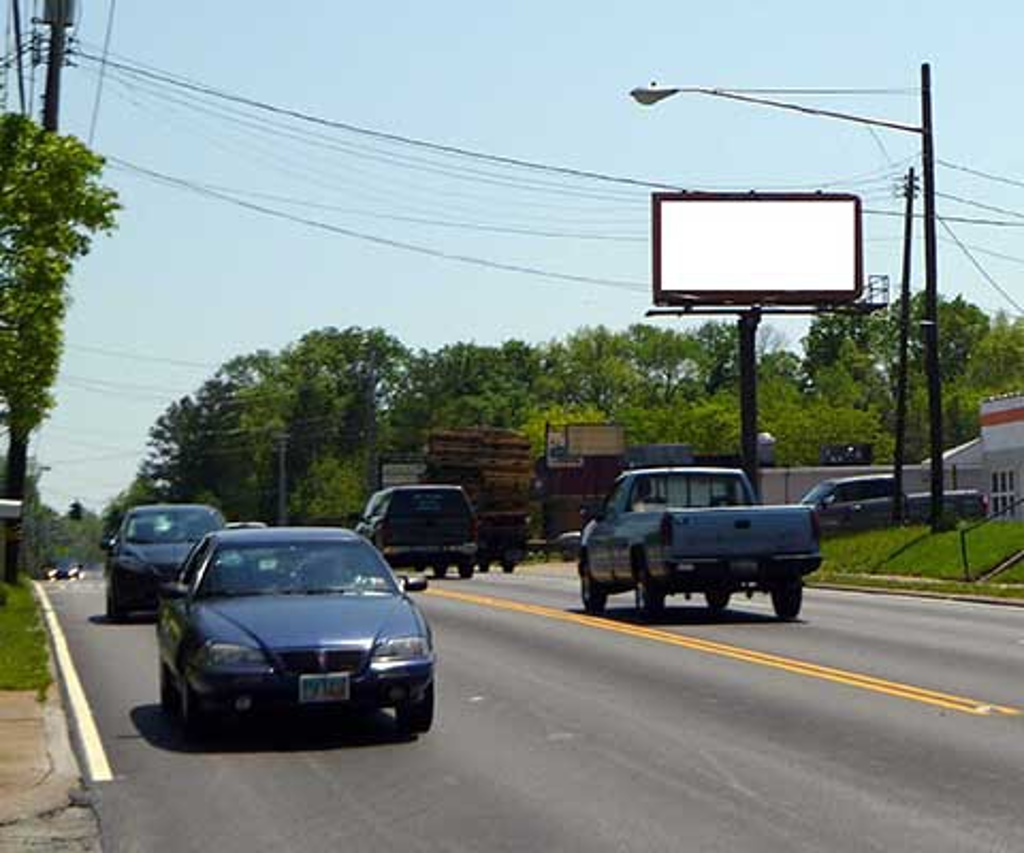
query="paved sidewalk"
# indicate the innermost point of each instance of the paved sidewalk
(41, 804)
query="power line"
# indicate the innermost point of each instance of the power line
(981, 270)
(419, 220)
(999, 179)
(962, 220)
(428, 251)
(103, 70)
(980, 205)
(134, 356)
(376, 134)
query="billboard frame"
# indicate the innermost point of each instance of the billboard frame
(749, 298)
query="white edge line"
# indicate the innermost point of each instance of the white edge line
(97, 768)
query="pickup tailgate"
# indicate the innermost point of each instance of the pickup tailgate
(741, 532)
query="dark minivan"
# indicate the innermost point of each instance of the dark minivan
(148, 549)
(419, 526)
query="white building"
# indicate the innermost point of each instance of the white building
(1002, 452)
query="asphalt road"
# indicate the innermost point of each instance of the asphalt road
(876, 723)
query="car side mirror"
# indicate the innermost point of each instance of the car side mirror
(413, 583)
(173, 590)
(587, 514)
(828, 500)
(108, 543)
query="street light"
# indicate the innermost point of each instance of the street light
(653, 94)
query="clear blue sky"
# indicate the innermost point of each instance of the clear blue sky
(190, 279)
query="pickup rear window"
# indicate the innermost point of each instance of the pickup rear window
(686, 491)
(448, 502)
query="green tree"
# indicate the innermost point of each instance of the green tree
(51, 205)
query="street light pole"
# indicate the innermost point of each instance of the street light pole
(931, 303)
(648, 96)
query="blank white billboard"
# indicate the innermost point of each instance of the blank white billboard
(749, 249)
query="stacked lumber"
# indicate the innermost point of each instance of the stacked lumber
(493, 466)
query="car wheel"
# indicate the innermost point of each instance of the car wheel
(115, 612)
(465, 570)
(717, 600)
(169, 700)
(484, 566)
(594, 597)
(440, 570)
(416, 718)
(508, 566)
(650, 598)
(787, 599)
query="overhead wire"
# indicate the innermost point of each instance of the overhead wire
(981, 270)
(378, 240)
(111, 12)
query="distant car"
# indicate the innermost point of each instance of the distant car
(148, 549)
(866, 502)
(245, 525)
(63, 570)
(288, 618)
(419, 526)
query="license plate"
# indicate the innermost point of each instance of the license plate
(315, 689)
(746, 566)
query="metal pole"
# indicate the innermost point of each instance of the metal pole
(54, 67)
(282, 480)
(931, 290)
(748, 323)
(901, 376)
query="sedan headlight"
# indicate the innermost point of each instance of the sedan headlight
(401, 649)
(230, 656)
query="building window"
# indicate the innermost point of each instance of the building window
(1004, 493)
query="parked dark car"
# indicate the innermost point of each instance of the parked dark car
(148, 549)
(63, 569)
(865, 502)
(288, 618)
(420, 526)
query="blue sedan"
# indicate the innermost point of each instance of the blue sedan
(292, 617)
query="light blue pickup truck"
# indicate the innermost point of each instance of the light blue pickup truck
(695, 530)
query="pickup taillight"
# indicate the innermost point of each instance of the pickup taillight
(666, 530)
(815, 525)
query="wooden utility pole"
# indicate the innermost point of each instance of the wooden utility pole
(898, 507)
(282, 479)
(58, 15)
(748, 324)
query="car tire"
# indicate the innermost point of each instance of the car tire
(508, 566)
(593, 595)
(717, 600)
(465, 570)
(787, 599)
(416, 718)
(169, 700)
(115, 612)
(484, 566)
(440, 570)
(649, 596)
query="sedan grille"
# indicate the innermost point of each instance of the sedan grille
(308, 661)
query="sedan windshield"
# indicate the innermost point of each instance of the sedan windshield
(296, 568)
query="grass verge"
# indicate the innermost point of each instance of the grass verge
(24, 661)
(914, 558)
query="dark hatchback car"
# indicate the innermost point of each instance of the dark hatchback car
(420, 526)
(148, 550)
(292, 618)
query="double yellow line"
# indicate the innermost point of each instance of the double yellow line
(858, 680)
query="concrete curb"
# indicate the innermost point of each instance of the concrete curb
(56, 788)
(920, 593)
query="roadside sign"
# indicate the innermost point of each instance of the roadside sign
(756, 248)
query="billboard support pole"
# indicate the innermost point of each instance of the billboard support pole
(748, 323)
